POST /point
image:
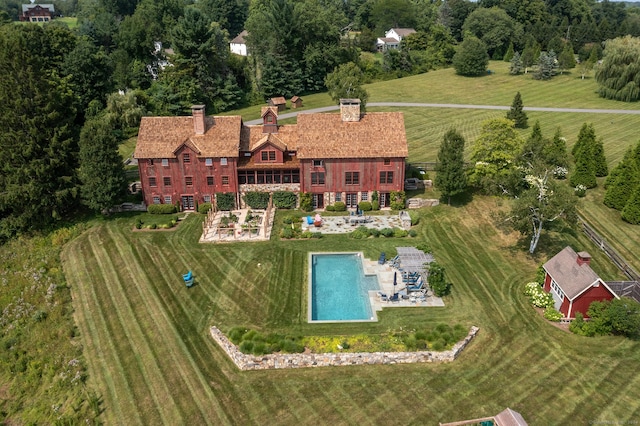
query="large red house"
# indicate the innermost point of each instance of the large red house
(336, 157)
(573, 284)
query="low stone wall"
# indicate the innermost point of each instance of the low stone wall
(279, 361)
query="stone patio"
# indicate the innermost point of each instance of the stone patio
(349, 223)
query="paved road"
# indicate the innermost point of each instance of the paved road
(459, 106)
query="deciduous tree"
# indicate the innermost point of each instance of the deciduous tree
(618, 76)
(471, 58)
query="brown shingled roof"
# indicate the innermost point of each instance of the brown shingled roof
(280, 100)
(377, 134)
(252, 137)
(572, 278)
(240, 38)
(159, 137)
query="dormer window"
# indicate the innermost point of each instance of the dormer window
(317, 163)
(387, 161)
(269, 118)
(268, 156)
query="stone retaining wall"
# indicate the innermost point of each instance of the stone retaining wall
(278, 361)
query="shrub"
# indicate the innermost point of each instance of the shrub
(306, 234)
(552, 315)
(358, 234)
(375, 205)
(413, 233)
(316, 235)
(374, 232)
(246, 346)
(306, 203)
(415, 217)
(437, 280)
(580, 190)
(138, 223)
(424, 247)
(340, 206)
(330, 208)
(537, 296)
(153, 226)
(285, 199)
(236, 333)
(204, 208)
(161, 209)
(288, 220)
(286, 233)
(399, 233)
(225, 201)
(257, 200)
(386, 232)
(365, 206)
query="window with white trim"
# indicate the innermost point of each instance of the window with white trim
(364, 196)
(557, 290)
(317, 163)
(165, 162)
(156, 200)
(208, 161)
(167, 199)
(338, 196)
(223, 161)
(206, 198)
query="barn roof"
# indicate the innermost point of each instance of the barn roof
(377, 134)
(572, 278)
(160, 137)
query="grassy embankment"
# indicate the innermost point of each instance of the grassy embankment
(149, 354)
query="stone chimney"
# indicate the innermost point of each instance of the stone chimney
(269, 119)
(199, 125)
(350, 109)
(584, 257)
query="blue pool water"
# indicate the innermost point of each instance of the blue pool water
(339, 288)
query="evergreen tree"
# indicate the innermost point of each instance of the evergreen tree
(584, 172)
(532, 148)
(547, 66)
(555, 153)
(567, 59)
(586, 138)
(517, 114)
(599, 161)
(451, 178)
(622, 181)
(516, 64)
(101, 169)
(528, 56)
(37, 149)
(631, 211)
(510, 53)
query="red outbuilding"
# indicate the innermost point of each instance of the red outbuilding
(573, 284)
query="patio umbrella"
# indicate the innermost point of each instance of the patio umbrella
(395, 281)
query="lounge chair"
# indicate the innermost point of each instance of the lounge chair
(189, 282)
(309, 220)
(417, 286)
(383, 297)
(382, 258)
(188, 276)
(394, 261)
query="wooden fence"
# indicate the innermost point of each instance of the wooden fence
(609, 251)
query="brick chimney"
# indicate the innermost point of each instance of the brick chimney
(350, 109)
(269, 119)
(584, 257)
(199, 126)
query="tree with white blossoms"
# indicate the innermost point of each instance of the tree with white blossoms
(542, 205)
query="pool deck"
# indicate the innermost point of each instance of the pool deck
(385, 279)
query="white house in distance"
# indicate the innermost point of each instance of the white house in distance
(238, 44)
(392, 38)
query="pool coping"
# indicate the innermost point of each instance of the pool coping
(310, 320)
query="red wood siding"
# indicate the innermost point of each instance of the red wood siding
(547, 283)
(268, 147)
(564, 308)
(581, 304)
(177, 170)
(369, 175)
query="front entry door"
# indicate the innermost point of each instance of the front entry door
(187, 202)
(318, 201)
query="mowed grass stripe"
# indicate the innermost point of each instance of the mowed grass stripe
(150, 385)
(110, 376)
(170, 357)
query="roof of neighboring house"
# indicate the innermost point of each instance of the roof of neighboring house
(26, 7)
(279, 100)
(377, 134)
(295, 98)
(403, 32)
(160, 137)
(388, 40)
(240, 38)
(572, 278)
(509, 417)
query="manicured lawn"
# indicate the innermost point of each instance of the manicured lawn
(149, 353)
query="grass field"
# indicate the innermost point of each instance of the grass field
(148, 350)
(146, 339)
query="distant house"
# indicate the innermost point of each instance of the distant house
(37, 12)
(508, 417)
(279, 102)
(573, 284)
(296, 102)
(392, 38)
(238, 45)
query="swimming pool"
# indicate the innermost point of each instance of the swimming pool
(339, 288)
